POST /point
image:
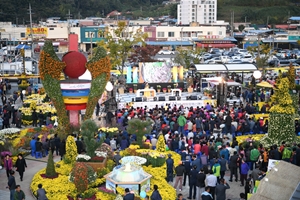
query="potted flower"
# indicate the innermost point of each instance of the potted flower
(130, 90)
(135, 87)
(169, 88)
(158, 88)
(164, 90)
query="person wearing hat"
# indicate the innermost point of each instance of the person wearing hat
(153, 141)
(170, 167)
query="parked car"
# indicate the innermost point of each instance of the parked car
(166, 52)
(213, 60)
(248, 58)
(235, 61)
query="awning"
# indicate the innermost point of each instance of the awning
(228, 82)
(264, 84)
(224, 45)
(210, 67)
(226, 67)
(241, 67)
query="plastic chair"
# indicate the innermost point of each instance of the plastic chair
(38, 155)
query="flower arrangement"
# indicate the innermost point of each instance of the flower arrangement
(9, 133)
(80, 174)
(169, 87)
(82, 158)
(101, 154)
(91, 175)
(130, 89)
(161, 145)
(99, 66)
(71, 151)
(106, 149)
(108, 130)
(50, 68)
(158, 87)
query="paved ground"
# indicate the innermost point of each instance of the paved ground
(33, 166)
(233, 193)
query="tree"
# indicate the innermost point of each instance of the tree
(88, 130)
(144, 54)
(139, 128)
(282, 116)
(120, 42)
(50, 169)
(241, 27)
(264, 55)
(186, 57)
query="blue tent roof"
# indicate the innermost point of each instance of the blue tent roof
(170, 43)
(23, 46)
(295, 18)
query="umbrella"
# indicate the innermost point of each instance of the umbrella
(264, 84)
(22, 46)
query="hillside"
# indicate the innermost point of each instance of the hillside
(255, 11)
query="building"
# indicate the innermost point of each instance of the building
(200, 11)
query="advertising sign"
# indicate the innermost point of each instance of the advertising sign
(37, 32)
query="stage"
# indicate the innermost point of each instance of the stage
(151, 103)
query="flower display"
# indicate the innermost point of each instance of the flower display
(108, 130)
(99, 66)
(71, 150)
(133, 159)
(161, 145)
(36, 102)
(101, 154)
(9, 131)
(50, 68)
(82, 157)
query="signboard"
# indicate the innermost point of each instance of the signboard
(294, 37)
(37, 32)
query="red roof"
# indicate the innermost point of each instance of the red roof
(284, 26)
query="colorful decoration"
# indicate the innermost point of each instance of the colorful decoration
(71, 151)
(50, 69)
(75, 64)
(99, 66)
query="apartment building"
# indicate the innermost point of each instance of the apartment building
(200, 11)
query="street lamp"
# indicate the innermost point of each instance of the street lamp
(181, 36)
(109, 86)
(257, 74)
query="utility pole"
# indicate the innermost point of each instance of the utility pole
(31, 32)
(69, 16)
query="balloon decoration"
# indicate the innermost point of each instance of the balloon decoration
(143, 194)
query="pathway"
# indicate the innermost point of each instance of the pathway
(33, 166)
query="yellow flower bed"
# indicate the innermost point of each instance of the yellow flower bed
(256, 137)
(57, 188)
(15, 142)
(108, 130)
(60, 187)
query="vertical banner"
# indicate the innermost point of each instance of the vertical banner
(129, 80)
(135, 74)
(175, 74)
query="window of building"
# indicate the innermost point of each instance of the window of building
(88, 34)
(160, 34)
(193, 10)
(22, 35)
(220, 32)
(193, 14)
(193, 18)
(171, 34)
(209, 32)
(51, 29)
